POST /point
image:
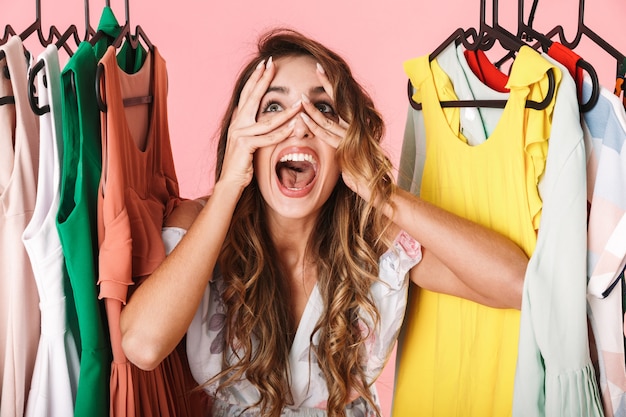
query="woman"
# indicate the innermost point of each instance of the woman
(290, 283)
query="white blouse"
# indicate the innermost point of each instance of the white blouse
(206, 344)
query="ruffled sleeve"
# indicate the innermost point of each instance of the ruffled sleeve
(390, 297)
(205, 335)
(555, 376)
(533, 78)
(115, 258)
(171, 236)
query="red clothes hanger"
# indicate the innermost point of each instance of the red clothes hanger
(526, 32)
(583, 29)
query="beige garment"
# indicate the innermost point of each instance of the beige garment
(19, 300)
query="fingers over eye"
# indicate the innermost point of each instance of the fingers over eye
(321, 75)
(335, 126)
(267, 125)
(259, 84)
(328, 87)
(321, 132)
(254, 78)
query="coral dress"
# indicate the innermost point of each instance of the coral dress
(138, 189)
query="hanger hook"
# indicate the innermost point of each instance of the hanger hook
(87, 20)
(494, 12)
(533, 10)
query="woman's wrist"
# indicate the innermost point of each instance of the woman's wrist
(227, 193)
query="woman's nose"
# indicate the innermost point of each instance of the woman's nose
(300, 129)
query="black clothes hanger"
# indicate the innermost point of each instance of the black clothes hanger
(620, 86)
(481, 39)
(89, 30)
(72, 31)
(8, 32)
(7, 75)
(6, 99)
(484, 38)
(32, 75)
(96, 35)
(526, 32)
(585, 30)
(127, 36)
(32, 98)
(135, 41)
(36, 27)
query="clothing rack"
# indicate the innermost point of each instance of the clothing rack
(526, 32)
(62, 39)
(486, 35)
(90, 35)
(72, 31)
(583, 29)
(484, 38)
(36, 27)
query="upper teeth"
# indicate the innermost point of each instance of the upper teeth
(298, 157)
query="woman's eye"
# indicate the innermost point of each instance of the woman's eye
(272, 107)
(325, 108)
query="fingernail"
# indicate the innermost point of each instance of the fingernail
(260, 64)
(305, 117)
(305, 98)
(269, 63)
(296, 104)
(319, 68)
(292, 123)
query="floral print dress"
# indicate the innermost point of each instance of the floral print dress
(206, 343)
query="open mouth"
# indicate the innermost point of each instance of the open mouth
(296, 171)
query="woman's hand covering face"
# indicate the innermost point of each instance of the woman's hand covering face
(331, 130)
(246, 135)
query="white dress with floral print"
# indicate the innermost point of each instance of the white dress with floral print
(205, 338)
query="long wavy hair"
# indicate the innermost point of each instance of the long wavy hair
(346, 244)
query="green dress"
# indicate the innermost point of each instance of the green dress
(76, 218)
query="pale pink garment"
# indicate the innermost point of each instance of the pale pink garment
(19, 301)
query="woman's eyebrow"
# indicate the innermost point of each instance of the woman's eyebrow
(317, 90)
(278, 89)
(285, 90)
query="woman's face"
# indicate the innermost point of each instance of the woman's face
(296, 176)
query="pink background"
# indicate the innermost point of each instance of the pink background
(205, 44)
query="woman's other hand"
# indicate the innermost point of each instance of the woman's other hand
(332, 130)
(246, 135)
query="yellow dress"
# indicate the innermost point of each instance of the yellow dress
(457, 357)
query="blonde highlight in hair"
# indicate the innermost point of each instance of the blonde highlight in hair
(346, 245)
